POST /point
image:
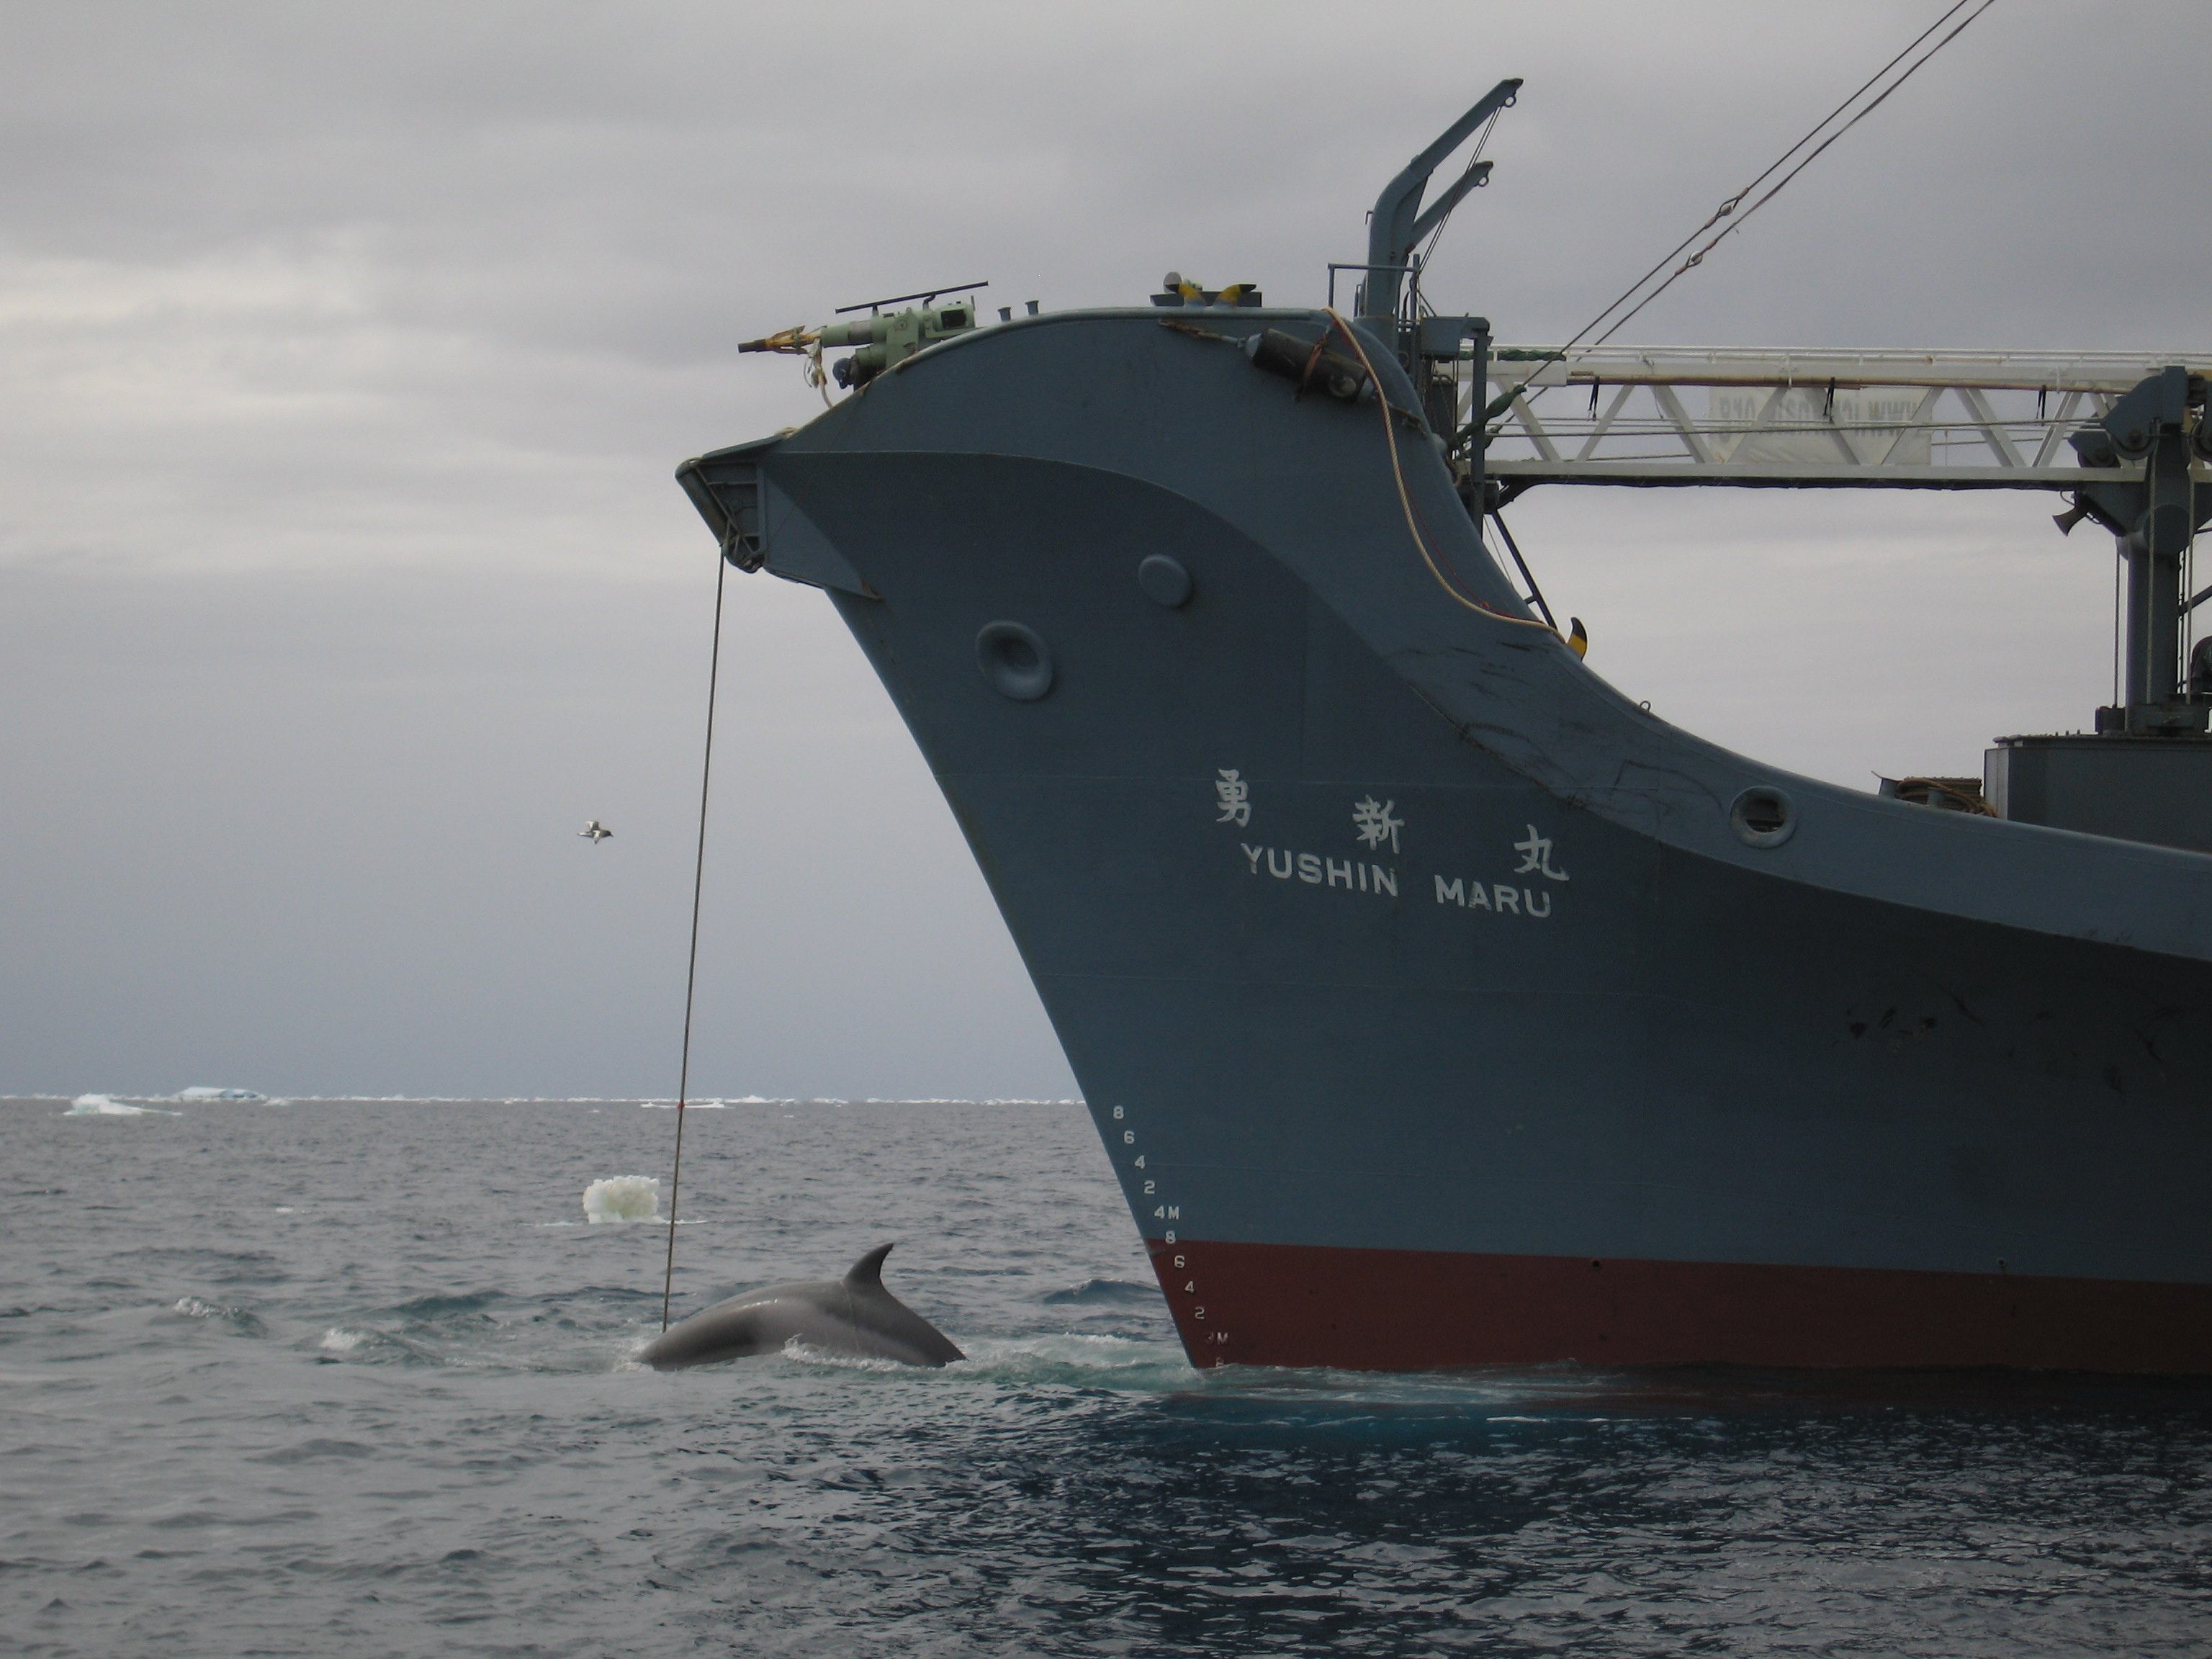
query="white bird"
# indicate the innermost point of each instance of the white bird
(596, 831)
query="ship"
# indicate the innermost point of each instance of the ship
(1437, 1004)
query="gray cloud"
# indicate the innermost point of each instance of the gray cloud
(344, 357)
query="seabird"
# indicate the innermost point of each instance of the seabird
(596, 831)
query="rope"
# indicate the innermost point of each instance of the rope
(1405, 499)
(691, 974)
(1970, 801)
(815, 374)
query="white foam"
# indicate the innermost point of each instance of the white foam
(193, 1308)
(108, 1106)
(622, 1198)
(337, 1340)
(1097, 1362)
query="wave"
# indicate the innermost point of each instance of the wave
(1104, 1293)
(109, 1106)
(1062, 1359)
(829, 1100)
(202, 1092)
(622, 1198)
(239, 1320)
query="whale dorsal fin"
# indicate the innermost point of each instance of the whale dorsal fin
(868, 1271)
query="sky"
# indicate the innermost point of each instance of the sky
(346, 355)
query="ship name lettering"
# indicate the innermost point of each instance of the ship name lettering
(1317, 870)
(1234, 797)
(1536, 856)
(1498, 897)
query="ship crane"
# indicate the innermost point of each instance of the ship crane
(1652, 417)
(2125, 435)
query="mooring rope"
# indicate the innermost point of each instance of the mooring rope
(691, 974)
(1405, 497)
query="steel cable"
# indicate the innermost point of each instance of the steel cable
(1728, 207)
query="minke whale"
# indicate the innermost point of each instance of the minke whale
(853, 1316)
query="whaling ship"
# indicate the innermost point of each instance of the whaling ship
(1440, 1005)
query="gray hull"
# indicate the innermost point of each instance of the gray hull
(1464, 1023)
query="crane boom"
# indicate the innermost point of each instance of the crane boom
(1658, 416)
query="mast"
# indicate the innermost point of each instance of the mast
(2155, 432)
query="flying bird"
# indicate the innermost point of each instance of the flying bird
(596, 831)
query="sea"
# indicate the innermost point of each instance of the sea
(356, 1376)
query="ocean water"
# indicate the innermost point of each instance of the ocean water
(350, 1376)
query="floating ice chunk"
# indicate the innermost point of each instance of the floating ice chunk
(622, 1198)
(108, 1106)
(203, 1092)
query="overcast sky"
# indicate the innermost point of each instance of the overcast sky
(345, 354)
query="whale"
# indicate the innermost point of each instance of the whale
(854, 1317)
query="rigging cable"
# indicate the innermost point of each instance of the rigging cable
(691, 974)
(1473, 161)
(1526, 575)
(1727, 210)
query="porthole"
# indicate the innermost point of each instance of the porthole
(1015, 660)
(1165, 581)
(1763, 817)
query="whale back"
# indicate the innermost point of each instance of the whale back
(854, 1317)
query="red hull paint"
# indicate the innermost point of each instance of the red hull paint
(1366, 1309)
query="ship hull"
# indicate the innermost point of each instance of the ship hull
(1432, 1310)
(1431, 1007)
